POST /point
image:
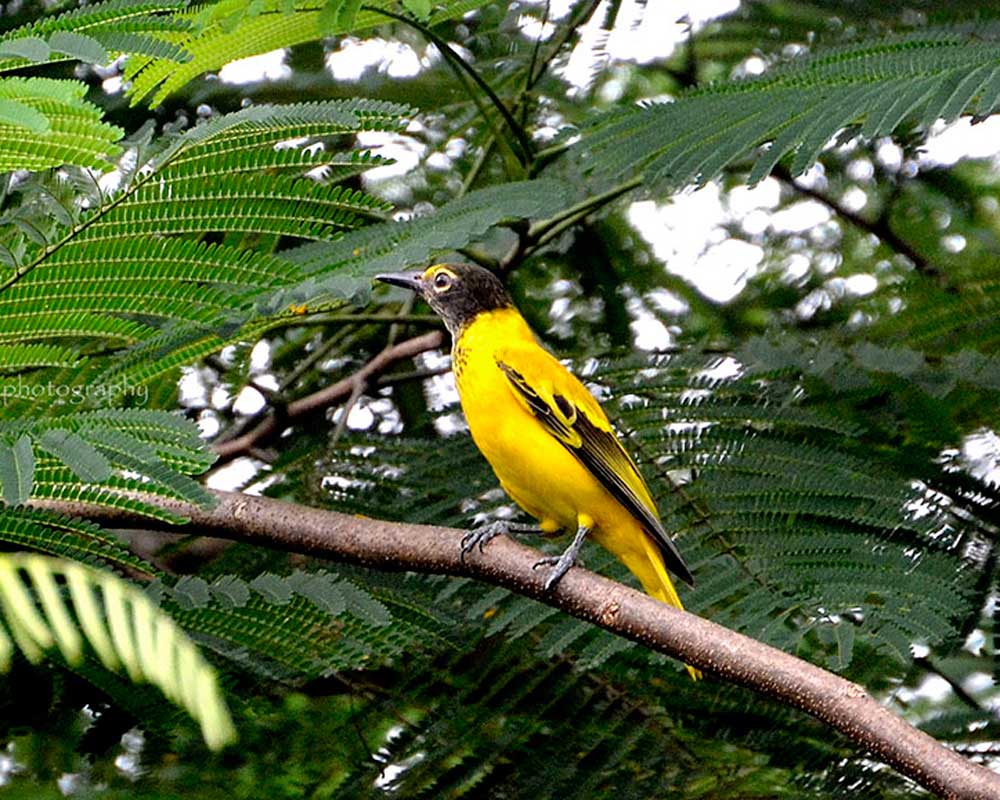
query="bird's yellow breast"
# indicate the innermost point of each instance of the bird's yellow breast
(533, 467)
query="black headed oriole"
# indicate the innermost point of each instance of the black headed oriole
(546, 437)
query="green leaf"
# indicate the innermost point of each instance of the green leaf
(844, 632)
(363, 605)
(29, 47)
(23, 116)
(230, 591)
(86, 462)
(25, 528)
(421, 9)
(338, 15)
(212, 46)
(976, 368)
(274, 588)
(140, 44)
(191, 592)
(75, 133)
(17, 470)
(120, 624)
(320, 590)
(77, 45)
(895, 361)
(797, 107)
(345, 268)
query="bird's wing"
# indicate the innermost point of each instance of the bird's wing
(571, 414)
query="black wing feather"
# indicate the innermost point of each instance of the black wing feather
(598, 451)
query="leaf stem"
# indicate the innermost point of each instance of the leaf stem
(523, 140)
(547, 229)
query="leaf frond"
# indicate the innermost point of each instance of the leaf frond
(800, 106)
(51, 604)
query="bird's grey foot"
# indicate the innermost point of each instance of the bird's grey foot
(561, 564)
(484, 534)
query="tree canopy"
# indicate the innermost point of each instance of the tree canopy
(741, 230)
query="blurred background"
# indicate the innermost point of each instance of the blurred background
(803, 361)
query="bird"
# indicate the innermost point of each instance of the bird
(546, 437)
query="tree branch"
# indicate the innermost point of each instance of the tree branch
(879, 227)
(334, 393)
(626, 612)
(956, 687)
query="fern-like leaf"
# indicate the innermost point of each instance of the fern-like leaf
(274, 205)
(338, 624)
(218, 38)
(96, 450)
(345, 268)
(92, 32)
(50, 604)
(871, 87)
(47, 123)
(126, 273)
(69, 538)
(17, 470)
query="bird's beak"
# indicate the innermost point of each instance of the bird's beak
(408, 280)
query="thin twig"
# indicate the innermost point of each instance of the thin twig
(397, 327)
(531, 79)
(956, 687)
(313, 358)
(530, 238)
(278, 406)
(477, 166)
(323, 318)
(345, 412)
(535, 50)
(879, 227)
(415, 375)
(523, 140)
(582, 209)
(560, 41)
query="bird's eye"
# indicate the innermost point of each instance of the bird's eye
(442, 281)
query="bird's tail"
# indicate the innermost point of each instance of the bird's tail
(656, 583)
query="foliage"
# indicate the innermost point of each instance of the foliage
(173, 250)
(868, 89)
(346, 267)
(46, 123)
(51, 604)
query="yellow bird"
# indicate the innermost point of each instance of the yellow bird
(546, 437)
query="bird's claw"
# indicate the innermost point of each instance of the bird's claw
(482, 536)
(560, 566)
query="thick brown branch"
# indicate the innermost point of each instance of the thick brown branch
(334, 393)
(718, 651)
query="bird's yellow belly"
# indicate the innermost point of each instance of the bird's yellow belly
(539, 474)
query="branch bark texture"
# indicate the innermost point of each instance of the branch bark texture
(626, 612)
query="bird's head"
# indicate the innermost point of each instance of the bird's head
(456, 292)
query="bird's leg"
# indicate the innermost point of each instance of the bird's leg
(561, 564)
(484, 534)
